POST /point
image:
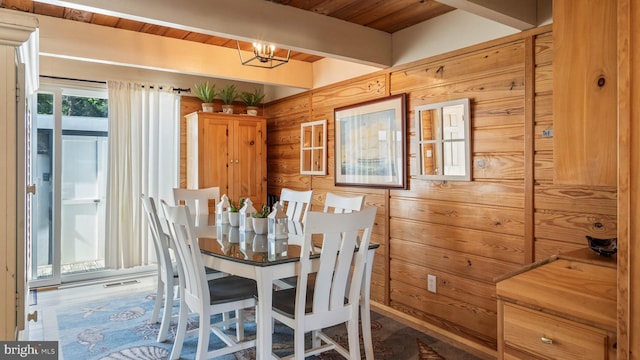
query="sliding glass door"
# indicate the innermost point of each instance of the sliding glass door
(70, 171)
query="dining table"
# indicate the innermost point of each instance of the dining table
(266, 260)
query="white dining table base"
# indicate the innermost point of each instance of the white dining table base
(265, 276)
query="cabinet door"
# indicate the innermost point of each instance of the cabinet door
(214, 154)
(248, 163)
(584, 92)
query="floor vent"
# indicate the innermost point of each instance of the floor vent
(121, 283)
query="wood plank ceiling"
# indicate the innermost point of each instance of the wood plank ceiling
(383, 15)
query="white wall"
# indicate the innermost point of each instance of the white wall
(451, 31)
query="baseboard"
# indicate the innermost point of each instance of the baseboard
(436, 332)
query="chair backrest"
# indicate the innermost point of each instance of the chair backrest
(197, 200)
(342, 204)
(160, 239)
(336, 279)
(296, 204)
(191, 270)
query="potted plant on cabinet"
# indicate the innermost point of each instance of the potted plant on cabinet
(228, 94)
(252, 99)
(206, 93)
(260, 220)
(234, 212)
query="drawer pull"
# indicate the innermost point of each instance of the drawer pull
(546, 340)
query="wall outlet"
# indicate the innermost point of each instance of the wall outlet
(431, 283)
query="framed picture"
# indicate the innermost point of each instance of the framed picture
(370, 143)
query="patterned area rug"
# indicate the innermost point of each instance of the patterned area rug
(119, 329)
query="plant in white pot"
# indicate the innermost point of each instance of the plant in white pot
(206, 93)
(260, 220)
(252, 99)
(228, 95)
(234, 212)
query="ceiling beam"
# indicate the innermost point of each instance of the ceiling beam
(285, 26)
(520, 14)
(100, 44)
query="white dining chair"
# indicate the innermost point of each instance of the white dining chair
(205, 298)
(328, 301)
(197, 199)
(342, 204)
(167, 275)
(296, 204)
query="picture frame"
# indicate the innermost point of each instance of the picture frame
(370, 146)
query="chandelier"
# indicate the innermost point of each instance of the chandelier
(263, 56)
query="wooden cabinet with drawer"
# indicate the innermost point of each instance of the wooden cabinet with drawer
(564, 309)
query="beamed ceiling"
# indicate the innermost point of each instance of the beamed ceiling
(386, 16)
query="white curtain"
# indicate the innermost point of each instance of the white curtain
(143, 159)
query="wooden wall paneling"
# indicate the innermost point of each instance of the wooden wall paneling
(500, 220)
(580, 199)
(457, 316)
(483, 344)
(543, 48)
(470, 266)
(498, 139)
(461, 239)
(283, 144)
(499, 85)
(188, 104)
(478, 64)
(573, 227)
(545, 248)
(543, 167)
(499, 112)
(628, 21)
(507, 194)
(530, 84)
(449, 285)
(350, 92)
(492, 166)
(465, 232)
(585, 91)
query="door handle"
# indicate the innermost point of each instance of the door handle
(31, 189)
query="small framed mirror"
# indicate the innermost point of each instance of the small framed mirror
(313, 148)
(443, 131)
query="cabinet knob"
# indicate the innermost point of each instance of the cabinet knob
(546, 340)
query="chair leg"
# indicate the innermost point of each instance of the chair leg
(158, 304)
(239, 325)
(203, 336)
(315, 339)
(354, 341)
(365, 319)
(180, 330)
(166, 313)
(298, 344)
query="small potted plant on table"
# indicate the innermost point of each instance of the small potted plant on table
(260, 220)
(228, 95)
(233, 212)
(206, 93)
(252, 99)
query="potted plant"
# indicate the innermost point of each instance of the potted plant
(206, 93)
(228, 95)
(233, 212)
(252, 99)
(259, 219)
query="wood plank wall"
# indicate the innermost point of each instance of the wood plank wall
(465, 233)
